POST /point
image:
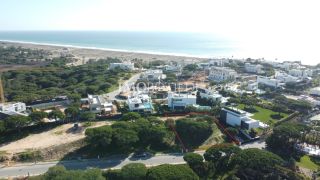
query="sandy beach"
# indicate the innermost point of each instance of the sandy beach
(83, 54)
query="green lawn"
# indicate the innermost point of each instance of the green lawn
(306, 162)
(264, 115)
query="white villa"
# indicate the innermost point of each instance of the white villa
(236, 117)
(140, 103)
(208, 94)
(13, 108)
(125, 66)
(219, 74)
(172, 68)
(98, 104)
(153, 75)
(181, 101)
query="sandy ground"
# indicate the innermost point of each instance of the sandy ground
(84, 54)
(59, 135)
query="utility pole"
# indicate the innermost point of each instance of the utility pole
(2, 100)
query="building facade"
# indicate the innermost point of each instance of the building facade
(238, 118)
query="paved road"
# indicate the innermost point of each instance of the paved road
(112, 95)
(116, 163)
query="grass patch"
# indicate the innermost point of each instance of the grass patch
(216, 137)
(306, 162)
(266, 116)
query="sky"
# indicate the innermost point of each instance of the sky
(278, 26)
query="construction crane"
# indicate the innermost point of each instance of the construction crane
(2, 100)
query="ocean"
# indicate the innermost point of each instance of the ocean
(172, 43)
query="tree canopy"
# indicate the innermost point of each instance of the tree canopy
(193, 133)
(60, 173)
(283, 138)
(171, 172)
(133, 171)
(127, 135)
(48, 82)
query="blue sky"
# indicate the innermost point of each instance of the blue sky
(37, 14)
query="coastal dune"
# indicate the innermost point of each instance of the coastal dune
(83, 54)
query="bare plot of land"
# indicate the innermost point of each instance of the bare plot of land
(60, 135)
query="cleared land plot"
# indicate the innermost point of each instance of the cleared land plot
(60, 135)
(266, 116)
(216, 137)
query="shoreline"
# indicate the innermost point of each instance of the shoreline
(86, 52)
(107, 49)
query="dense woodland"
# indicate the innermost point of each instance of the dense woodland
(56, 79)
(135, 132)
